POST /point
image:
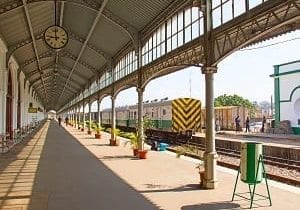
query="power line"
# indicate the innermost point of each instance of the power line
(255, 48)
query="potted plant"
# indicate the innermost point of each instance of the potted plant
(134, 143)
(201, 171)
(114, 142)
(147, 123)
(81, 126)
(88, 126)
(97, 128)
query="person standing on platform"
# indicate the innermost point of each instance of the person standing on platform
(217, 125)
(237, 123)
(67, 121)
(59, 121)
(247, 125)
(263, 124)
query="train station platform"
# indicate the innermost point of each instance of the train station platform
(62, 168)
(283, 140)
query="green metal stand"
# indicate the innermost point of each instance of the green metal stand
(252, 191)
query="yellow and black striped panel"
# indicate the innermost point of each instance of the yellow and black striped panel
(186, 114)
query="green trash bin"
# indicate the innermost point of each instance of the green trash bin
(250, 166)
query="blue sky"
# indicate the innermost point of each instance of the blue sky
(245, 73)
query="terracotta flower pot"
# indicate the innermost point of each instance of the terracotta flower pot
(112, 142)
(89, 132)
(135, 152)
(97, 136)
(82, 129)
(142, 154)
(201, 173)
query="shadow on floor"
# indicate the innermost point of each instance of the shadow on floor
(213, 206)
(71, 177)
(118, 157)
(163, 188)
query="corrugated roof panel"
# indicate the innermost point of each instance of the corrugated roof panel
(73, 47)
(66, 61)
(84, 70)
(24, 53)
(94, 59)
(47, 61)
(78, 19)
(41, 16)
(13, 26)
(30, 67)
(109, 37)
(79, 79)
(137, 13)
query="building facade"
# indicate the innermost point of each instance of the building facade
(287, 94)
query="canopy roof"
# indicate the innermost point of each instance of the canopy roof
(98, 30)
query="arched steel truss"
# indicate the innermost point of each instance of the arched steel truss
(270, 19)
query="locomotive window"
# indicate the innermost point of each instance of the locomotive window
(164, 112)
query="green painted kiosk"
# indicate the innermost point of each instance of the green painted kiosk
(252, 170)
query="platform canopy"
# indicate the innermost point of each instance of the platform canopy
(98, 30)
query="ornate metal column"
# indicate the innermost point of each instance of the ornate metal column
(78, 116)
(113, 117)
(210, 155)
(83, 112)
(98, 110)
(140, 118)
(90, 115)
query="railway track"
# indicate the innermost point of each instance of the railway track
(281, 170)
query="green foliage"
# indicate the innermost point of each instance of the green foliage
(87, 124)
(147, 122)
(134, 140)
(96, 127)
(233, 100)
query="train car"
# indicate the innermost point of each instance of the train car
(226, 116)
(173, 115)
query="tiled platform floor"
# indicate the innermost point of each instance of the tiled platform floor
(57, 170)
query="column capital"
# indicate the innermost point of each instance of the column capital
(209, 69)
(113, 97)
(140, 89)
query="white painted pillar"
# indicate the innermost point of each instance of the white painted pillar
(3, 87)
(140, 119)
(210, 155)
(113, 117)
(99, 113)
(83, 112)
(90, 116)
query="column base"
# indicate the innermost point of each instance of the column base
(210, 178)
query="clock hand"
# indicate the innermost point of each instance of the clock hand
(52, 36)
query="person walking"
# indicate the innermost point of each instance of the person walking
(67, 121)
(247, 125)
(237, 123)
(263, 124)
(59, 121)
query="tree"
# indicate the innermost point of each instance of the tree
(233, 100)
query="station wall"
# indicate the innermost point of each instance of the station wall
(26, 96)
(287, 94)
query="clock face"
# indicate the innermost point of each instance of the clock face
(56, 37)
